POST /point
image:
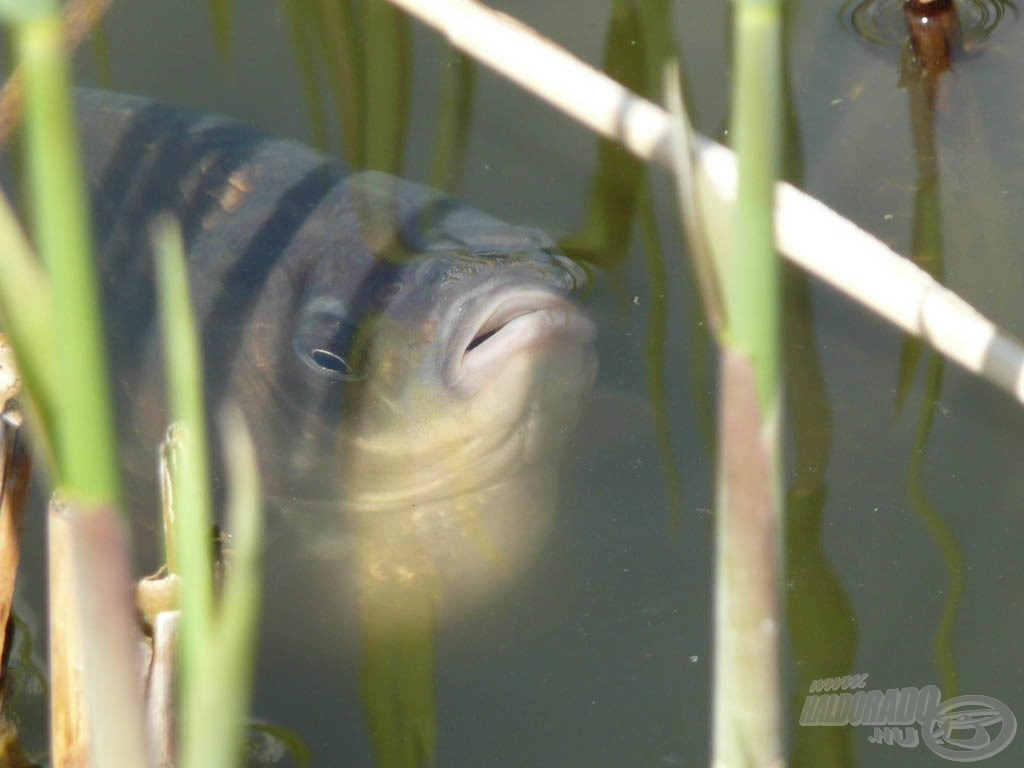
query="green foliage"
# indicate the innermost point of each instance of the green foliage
(217, 637)
(750, 282)
(84, 444)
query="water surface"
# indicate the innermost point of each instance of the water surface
(600, 657)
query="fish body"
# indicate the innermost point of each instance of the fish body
(408, 365)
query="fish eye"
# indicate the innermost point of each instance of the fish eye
(331, 362)
(328, 343)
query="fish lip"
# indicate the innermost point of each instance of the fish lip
(508, 319)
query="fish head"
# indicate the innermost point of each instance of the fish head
(431, 309)
(465, 360)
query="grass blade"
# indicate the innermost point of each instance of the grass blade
(186, 447)
(85, 447)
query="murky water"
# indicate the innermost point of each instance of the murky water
(600, 656)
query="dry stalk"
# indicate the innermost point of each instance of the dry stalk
(80, 16)
(15, 469)
(69, 727)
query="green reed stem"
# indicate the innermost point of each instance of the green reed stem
(750, 284)
(747, 690)
(25, 303)
(85, 448)
(217, 640)
(213, 719)
(66, 360)
(187, 449)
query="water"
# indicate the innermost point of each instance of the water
(601, 657)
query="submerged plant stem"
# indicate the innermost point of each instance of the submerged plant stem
(387, 74)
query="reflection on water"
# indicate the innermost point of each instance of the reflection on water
(921, 150)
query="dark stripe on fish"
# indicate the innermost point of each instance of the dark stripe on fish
(160, 148)
(225, 323)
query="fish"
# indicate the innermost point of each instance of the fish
(410, 367)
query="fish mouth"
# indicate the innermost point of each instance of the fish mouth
(507, 322)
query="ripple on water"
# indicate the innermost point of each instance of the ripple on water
(882, 21)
